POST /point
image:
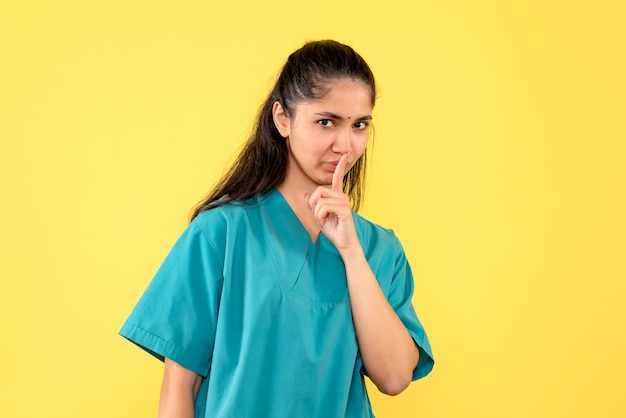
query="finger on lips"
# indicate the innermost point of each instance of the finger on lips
(340, 171)
(333, 197)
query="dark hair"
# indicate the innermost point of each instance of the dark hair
(262, 164)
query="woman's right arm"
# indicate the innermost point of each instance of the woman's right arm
(178, 391)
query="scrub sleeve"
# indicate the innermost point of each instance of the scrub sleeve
(400, 300)
(177, 315)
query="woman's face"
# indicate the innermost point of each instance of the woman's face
(320, 132)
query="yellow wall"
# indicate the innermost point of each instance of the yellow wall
(500, 160)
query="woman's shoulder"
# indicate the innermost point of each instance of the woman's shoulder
(373, 234)
(228, 210)
(371, 227)
(227, 215)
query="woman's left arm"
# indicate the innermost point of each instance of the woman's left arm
(387, 349)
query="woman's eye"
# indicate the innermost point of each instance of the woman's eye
(361, 125)
(325, 122)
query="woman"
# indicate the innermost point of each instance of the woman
(278, 298)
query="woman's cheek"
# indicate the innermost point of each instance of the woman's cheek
(361, 146)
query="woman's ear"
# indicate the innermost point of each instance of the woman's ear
(281, 119)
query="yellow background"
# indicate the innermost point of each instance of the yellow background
(499, 159)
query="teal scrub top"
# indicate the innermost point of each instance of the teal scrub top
(247, 300)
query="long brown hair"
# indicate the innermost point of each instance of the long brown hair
(262, 164)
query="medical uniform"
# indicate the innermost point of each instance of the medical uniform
(248, 301)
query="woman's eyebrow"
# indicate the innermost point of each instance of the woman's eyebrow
(335, 116)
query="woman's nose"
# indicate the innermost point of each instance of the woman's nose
(343, 142)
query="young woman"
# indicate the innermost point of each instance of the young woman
(278, 298)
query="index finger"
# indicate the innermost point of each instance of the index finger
(340, 171)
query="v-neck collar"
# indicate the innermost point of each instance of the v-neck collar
(293, 221)
(296, 256)
(290, 242)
